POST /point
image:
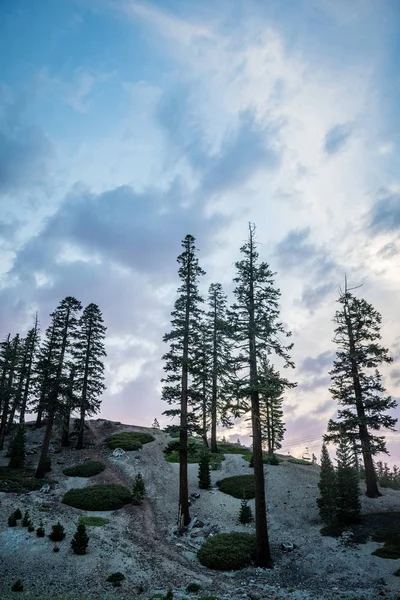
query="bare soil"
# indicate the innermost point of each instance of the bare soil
(140, 542)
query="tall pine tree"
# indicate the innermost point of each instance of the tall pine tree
(327, 501)
(257, 331)
(348, 484)
(32, 343)
(180, 359)
(89, 356)
(11, 354)
(357, 384)
(62, 334)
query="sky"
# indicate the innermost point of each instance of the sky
(125, 125)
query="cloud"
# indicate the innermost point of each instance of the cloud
(337, 137)
(313, 296)
(395, 376)
(388, 251)
(314, 383)
(385, 214)
(320, 363)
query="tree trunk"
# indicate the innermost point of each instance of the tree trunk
(8, 391)
(41, 468)
(214, 447)
(370, 475)
(79, 443)
(39, 416)
(65, 428)
(183, 432)
(28, 378)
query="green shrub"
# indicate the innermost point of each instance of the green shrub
(245, 514)
(80, 540)
(86, 469)
(169, 595)
(12, 521)
(138, 489)
(57, 534)
(272, 460)
(26, 520)
(299, 461)
(98, 497)
(204, 471)
(228, 551)
(31, 527)
(238, 486)
(94, 521)
(40, 530)
(116, 578)
(18, 514)
(15, 481)
(193, 588)
(129, 440)
(397, 573)
(56, 548)
(388, 551)
(17, 586)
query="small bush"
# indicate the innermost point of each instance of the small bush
(98, 497)
(86, 469)
(228, 551)
(272, 460)
(388, 551)
(116, 578)
(18, 514)
(40, 530)
(397, 573)
(204, 471)
(94, 521)
(31, 527)
(238, 486)
(138, 489)
(17, 481)
(129, 440)
(58, 532)
(169, 595)
(12, 521)
(193, 588)
(17, 586)
(80, 540)
(26, 520)
(56, 548)
(245, 514)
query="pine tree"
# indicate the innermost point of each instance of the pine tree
(138, 489)
(10, 356)
(79, 542)
(179, 360)
(88, 358)
(245, 514)
(222, 364)
(327, 502)
(31, 348)
(156, 424)
(256, 326)
(348, 486)
(43, 371)
(40, 530)
(17, 450)
(357, 384)
(204, 471)
(201, 379)
(70, 401)
(12, 521)
(57, 532)
(26, 519)
(63, 331)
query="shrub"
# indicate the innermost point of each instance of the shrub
(15, 481)
(86, 469)
(94, 521)
(193, 588)
(17, 449)
(31, 527)
(80, 540)
(58, 533)
(26, 520)
(17, 586)
(299, 461)
(129, 440)
(138, 489)
(228, 551)
(204, 471)
(169, 595)
(12, 521)
(272, 460)
(116, 578)
(98, 497)
(56, 548)
(18, 514)
(40, 530)
(397, 573)
(238, 486)
(245, 514)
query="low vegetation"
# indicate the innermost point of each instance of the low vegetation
(116, 578)
(228, 551)
(129, 440)
(94, 521)
(86, 469)
(98, 497)
(57, 533)
(299, 461)
(238, 486)
(195, 453)
(16, 481)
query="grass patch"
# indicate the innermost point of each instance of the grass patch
(94, 521)
(195, 449)
(86, 469)
(299, 461)
(238, 486)
(98, 497)
(129, 440)
(228, 551)
(19, 481)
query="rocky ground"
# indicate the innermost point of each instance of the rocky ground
(139, 540)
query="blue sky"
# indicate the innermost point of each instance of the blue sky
(125, 125)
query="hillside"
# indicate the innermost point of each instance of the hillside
(139, 541)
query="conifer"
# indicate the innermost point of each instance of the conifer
(17, 449)
(80, 540)
(348, 485)
(204, 471)
(138, 489)
(327, 502)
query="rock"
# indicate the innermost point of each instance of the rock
(117, 452)
(199, 523)
(195, 495)
(287, 546)
(45, 489)
(196, 534)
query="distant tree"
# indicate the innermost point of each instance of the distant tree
(245, 514)
(79, 542)
(57, 532)
(357, 384)
(40, 532)
(179, 360)
(9, 359)
(89, 356)
(328, 501)
(257, 331)
(17, 449)
(43, 369)
(348, 484)
(156, 424)
(63, 327)
(70, 402)
(204, 470)
(138, 489)
(31, 347)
